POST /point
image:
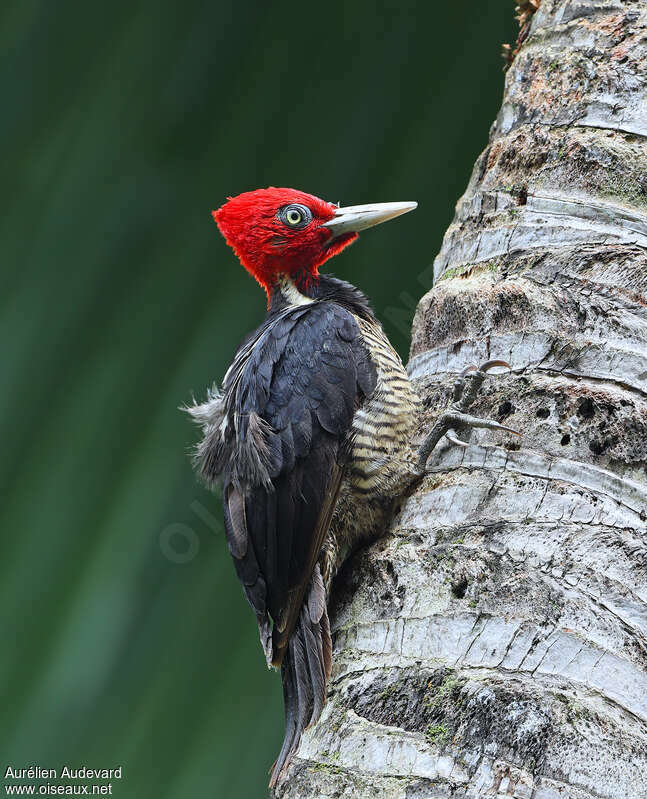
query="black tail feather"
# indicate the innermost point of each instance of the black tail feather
(326, 641)
(305, 671)
(303, 682)
(291, 703)
(314, 652)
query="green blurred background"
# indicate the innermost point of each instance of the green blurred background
(125, 636)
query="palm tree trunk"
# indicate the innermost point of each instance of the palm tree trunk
(495, 643)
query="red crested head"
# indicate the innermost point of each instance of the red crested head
(285, 232)
(278, 232)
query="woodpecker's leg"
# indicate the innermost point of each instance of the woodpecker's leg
(455, 418)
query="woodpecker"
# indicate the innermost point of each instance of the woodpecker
(310, 435)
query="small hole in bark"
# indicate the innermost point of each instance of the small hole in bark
(566, 439)
(522, 196)
(543, 413)
(505, 409)
(598, 447)
(459, 588)
(586, 408)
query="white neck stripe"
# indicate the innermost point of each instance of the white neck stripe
(291, 293)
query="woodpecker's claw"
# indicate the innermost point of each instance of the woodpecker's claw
(450, 435)
(456, 416)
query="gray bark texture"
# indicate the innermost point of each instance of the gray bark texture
(494, 643)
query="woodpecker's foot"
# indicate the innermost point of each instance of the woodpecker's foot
(456, 416)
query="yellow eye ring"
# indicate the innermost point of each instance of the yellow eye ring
(294, 217)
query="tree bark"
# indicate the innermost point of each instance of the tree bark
(495, 642)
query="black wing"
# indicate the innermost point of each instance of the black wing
(290, 398)
(278, 437)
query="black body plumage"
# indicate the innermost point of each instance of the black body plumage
(284, 437)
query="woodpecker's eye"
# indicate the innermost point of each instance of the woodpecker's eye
(295, 216)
